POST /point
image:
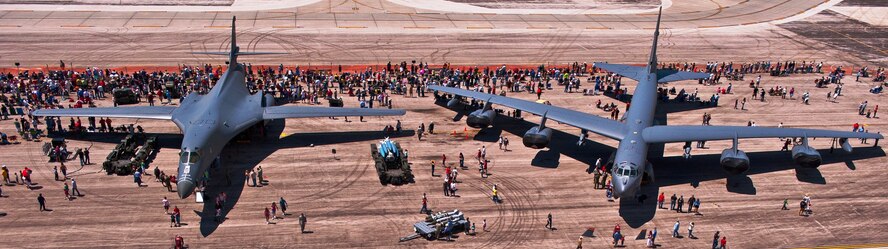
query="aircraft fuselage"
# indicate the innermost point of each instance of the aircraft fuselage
(209, 121)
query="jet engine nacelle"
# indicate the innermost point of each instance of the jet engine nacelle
(537, 138)
(734, 161)
(806, 156)
(453, 102)
(845, 145)
(481, 118)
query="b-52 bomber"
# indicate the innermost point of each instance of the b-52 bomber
(636, 131)
(209, 121)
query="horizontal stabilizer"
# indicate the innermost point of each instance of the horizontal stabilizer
(669, 75)
(632, 72)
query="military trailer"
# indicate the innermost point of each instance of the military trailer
(391, 163)
(125, 158)
(124, 96)
(439, 225)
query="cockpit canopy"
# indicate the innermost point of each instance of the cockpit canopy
(626, 169)
(188, 157)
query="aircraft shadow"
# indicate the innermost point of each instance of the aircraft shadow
(637, 212)
(670, 106)
(164, 140)
(675, 170)
(562, 142)
(240, 157)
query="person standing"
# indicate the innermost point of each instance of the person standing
(654, 236)
(549, 222)
(691, 230)
(247, 177)
(715, 240)
(597, 177)
(302, 221)
(137, 178)
(675, 229)
(64, 169)
(283, 204)
(672, 202)
(178, 214)
(724, 242)
(691, 203)
(74, 190)
(166, 205)
(802, 206)
(661, 199)
(267, 216)
(462, 160)
(253, 176)
(172, 219)
(681, 201)
(261, 177)
(697, 206)
(424, 208)
(274, 210)
(433, 168)
(42, 201)
(65, 188)
(446, 188)
(580, 240)
(785, 202)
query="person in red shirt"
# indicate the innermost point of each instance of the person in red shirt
(660, 200)
(723, 244)
(180, 242)
(178, 216)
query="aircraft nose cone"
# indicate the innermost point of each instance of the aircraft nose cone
(185, 188)
(618, 188)
(623, 188)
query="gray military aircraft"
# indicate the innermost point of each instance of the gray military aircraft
(636, 129)
(209, 121)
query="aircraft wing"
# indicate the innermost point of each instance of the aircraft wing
(685, 133)
(279, 112)
(669, 75)
(146, 112)
(606, 127)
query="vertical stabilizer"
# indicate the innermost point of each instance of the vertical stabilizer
(232, 56)
(652, 62)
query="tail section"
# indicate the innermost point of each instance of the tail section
(640, 73)
(235, 50)
(652, 62)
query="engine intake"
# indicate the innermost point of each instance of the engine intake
(537, 137)
(481, 118)
(734, 161)
(806, 156)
